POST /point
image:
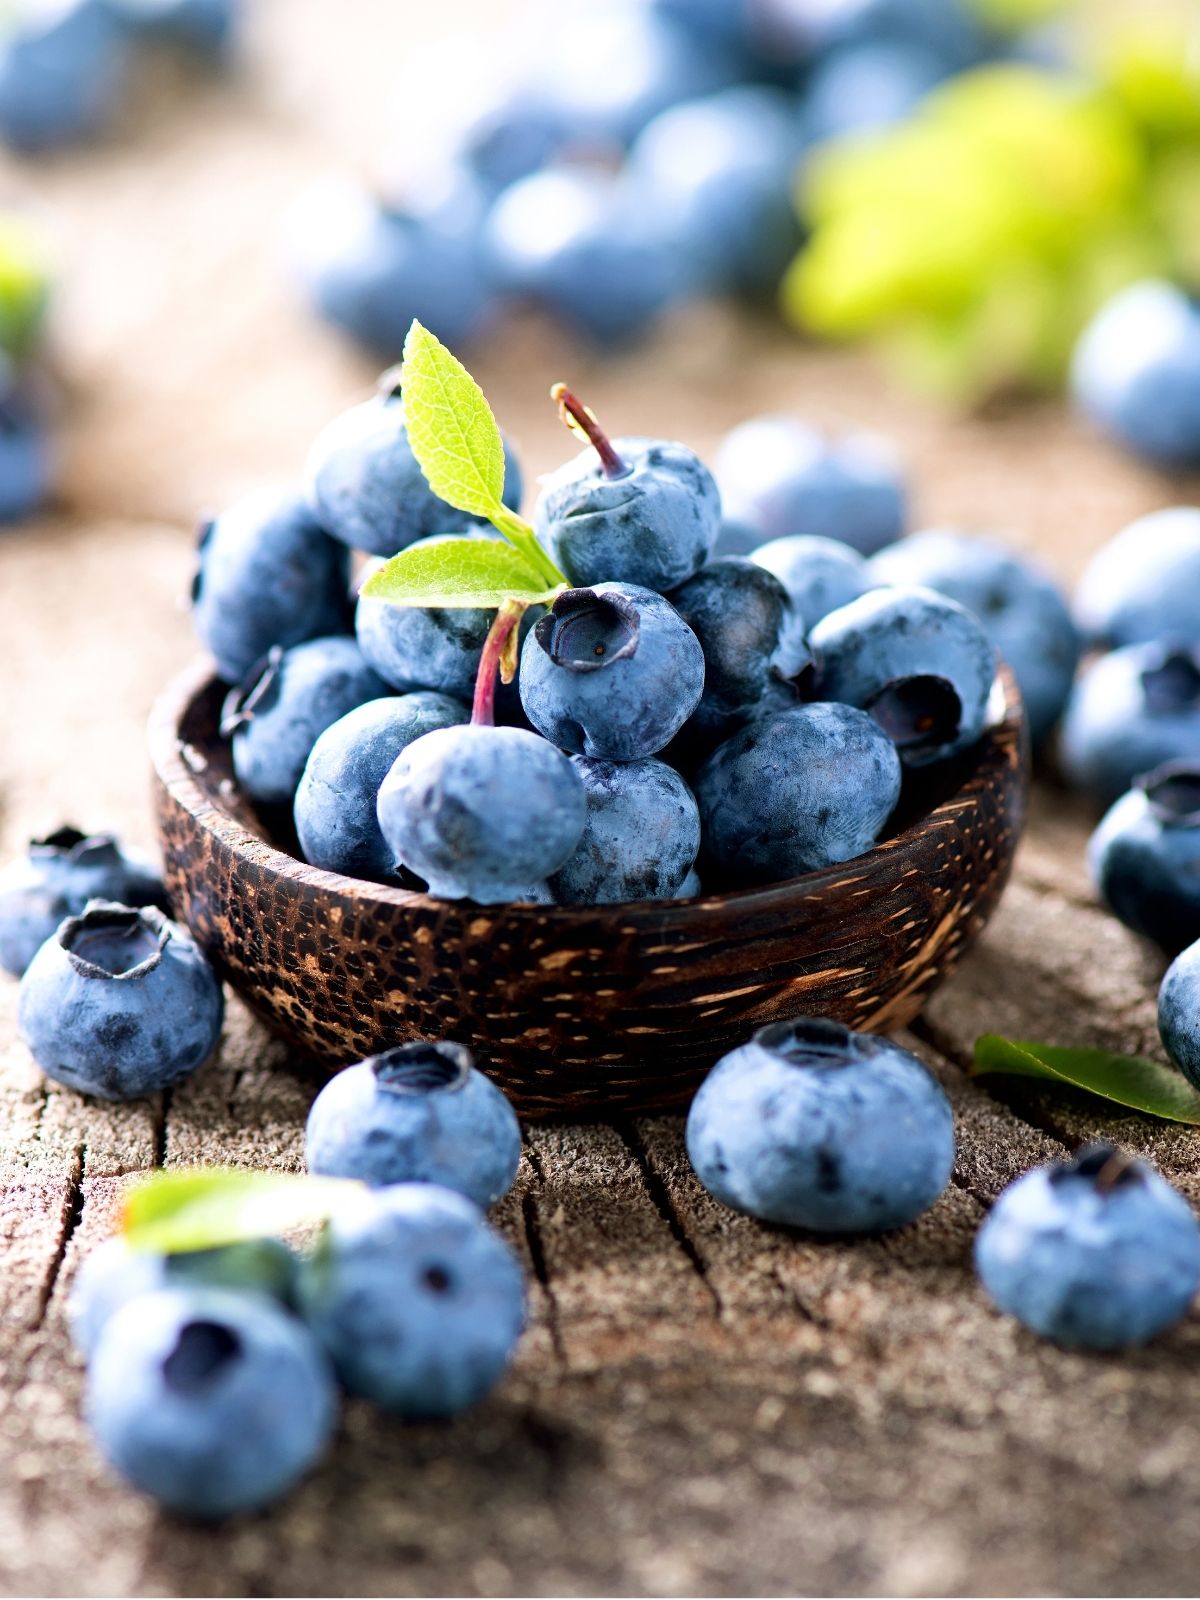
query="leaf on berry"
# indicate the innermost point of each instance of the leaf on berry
(1132, 1081)
(202, 1208)
(471, 572)
(450, 426)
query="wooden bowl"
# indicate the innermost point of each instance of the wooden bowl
(579, 1011)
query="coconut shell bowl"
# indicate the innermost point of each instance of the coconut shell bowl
(579, 1011)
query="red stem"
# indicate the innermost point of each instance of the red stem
(483, 709)
(579, 419)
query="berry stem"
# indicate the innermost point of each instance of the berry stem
(581, 421)
(499, 655)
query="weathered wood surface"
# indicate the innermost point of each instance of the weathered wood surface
(701, 1404)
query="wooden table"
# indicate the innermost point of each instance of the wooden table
(701, 1405)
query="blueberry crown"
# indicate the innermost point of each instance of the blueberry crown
(1173, 793)
(202, 1351)
(810, 1042)
(80, 849)
(1172, 683)
(1106, 1166)
(426, 1067)
(120, 943)
(586, 632)
(918, 713)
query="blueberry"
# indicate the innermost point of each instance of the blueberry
(284, 705)
(818, 1127)
(1179, 1012)
(820, 575)
(1098, 1252)
(750, 636)
(640, 839)
(735, 539)
(365, 486)
(369, 269)
(868, 86)
(268, 574)
(799, 29)
(120, 1003)
(612, 671)
(796, 791)
(918, 662)
(335, 811)
(482, 813)
(720, 171)
(783, 478)
(421, 1113)
(1136, 371)
(417, 1301)
(204, 26)
(1131, 711)
(422, 647)
(1142, 585)
(581, 243)
(509, 132)
(212, 1402)
(26, 458)
(1145, 856)
(55, 879)
(62, 73)
(1020, 607)
(113, 1275)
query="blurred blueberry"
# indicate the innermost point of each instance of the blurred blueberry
(1131, 711)
(1021, 608)
(364, 485)
(867, 86)
(62, 74)
(800, 30)
(335, 812)
(1142, 585)
(1179, 1012)
(735, 539)
(205, 26)
(267, 574)
(26, 455)
(640, 839)
(283, 706)
(1145, 856)
(1136, 372)
(781, 477)
(421, 1113)
(819, 574)
(796, 791)
(918, 662)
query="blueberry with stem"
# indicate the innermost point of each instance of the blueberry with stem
(633, 510)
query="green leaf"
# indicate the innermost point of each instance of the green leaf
(450, 427)
(469, 572)
(1133, 1081)
(199, 1208)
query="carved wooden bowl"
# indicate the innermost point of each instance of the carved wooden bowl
(579, 1011)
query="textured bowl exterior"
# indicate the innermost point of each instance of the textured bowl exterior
(577, 1011)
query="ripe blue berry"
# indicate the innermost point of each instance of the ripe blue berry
(62, 73)
(1179, 1012)
(1142, 585)
(1145, 856)
(640, 839)
(819, 574)
(795, 791)
(268, 574)
(1131, 711)
(612, 671)
(1020, 609)
(480, 813)
(818, 1127)
(113, 1275)
(1098, 1252)
(120, 1003)
(417, 1301)
(365, 486)
(335, 813)
(421, 1113)
(782, 478)
(55, 879)
(919, 663)
(284, 705)
(211, 1401)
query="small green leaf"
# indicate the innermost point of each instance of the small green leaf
(450, 427)
(1133, 1081)
(200, 1208)
(469, 572)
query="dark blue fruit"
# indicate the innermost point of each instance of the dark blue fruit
(640, 839)
(1145, 856)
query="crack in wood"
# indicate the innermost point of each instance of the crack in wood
(537, 1251)
(660, 1195)
(72, 1215)
(160, 1134)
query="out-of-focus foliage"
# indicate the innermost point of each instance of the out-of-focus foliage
(24, 283)
(1009, 15)
(976, 238)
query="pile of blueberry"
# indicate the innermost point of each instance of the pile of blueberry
(613, 158)
(676, 709)
(64, 67)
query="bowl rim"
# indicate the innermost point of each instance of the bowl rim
(1003, 736)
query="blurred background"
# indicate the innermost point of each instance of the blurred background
(890, 215)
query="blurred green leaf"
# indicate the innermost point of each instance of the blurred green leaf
(24, 283)
(1132, 1081)
(200, 1208)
